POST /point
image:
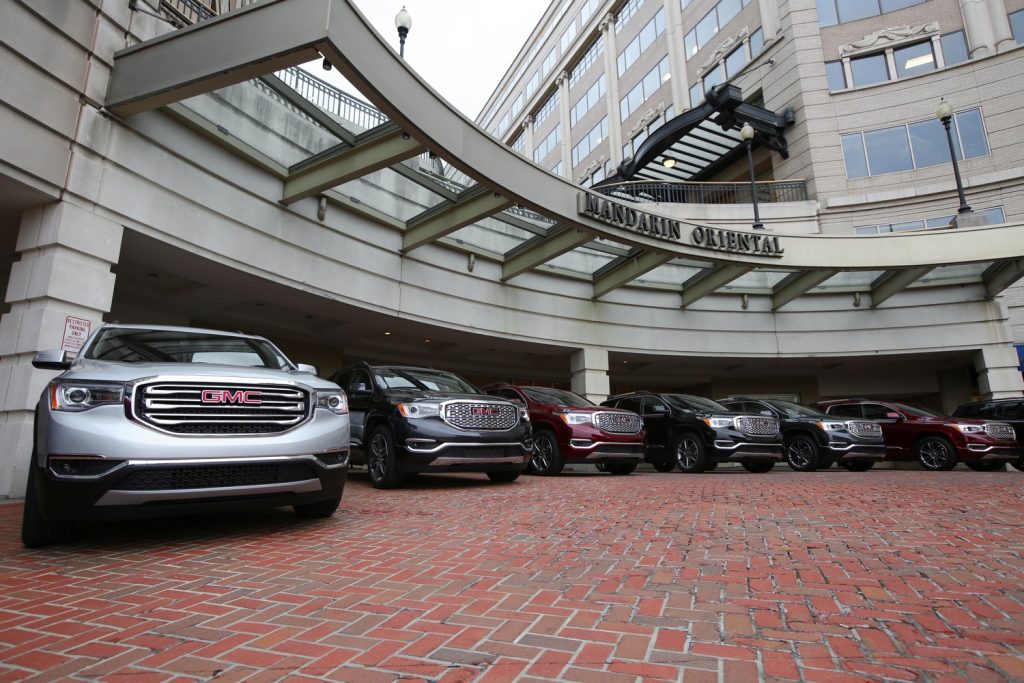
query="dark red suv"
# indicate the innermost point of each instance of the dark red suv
(568, 428)
(936, 441)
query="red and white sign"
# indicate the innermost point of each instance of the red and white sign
(76, 331)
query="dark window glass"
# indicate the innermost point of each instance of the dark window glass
(954, 48)
(852, 10)
(869, 70)
(756, 43)
(827, 13)
(654, 406)
(630, 404)
(888, 150)
(1012, 411)
(914, 59)
(1017, 25)
(836, 75)
(736, 60)
(972, 133)
(845, 411)
(928, 139)
(853, 152)
(877, 411)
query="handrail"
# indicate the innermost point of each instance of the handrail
(331, 99)
(706, 193)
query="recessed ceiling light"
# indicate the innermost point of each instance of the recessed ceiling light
(669, 162)
(386, 333)
(427, 341)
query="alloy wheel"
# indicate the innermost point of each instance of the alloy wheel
(688, 453)
(377, 460)
(800, 454)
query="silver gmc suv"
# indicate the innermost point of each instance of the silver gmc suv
(152, 420)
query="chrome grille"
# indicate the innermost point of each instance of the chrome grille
(864, 429)
(618, 423)
(221, 408)
(998, 430)
(483, 415)
(758, 426)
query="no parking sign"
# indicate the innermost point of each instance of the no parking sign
(76, 331)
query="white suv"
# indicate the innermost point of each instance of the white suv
(153, 420)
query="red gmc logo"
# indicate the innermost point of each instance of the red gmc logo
(228, 396)
(483, 411)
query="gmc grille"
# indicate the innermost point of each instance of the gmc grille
(863, 429)
(213, 476)
(618, 423)
(487, 416)
(228, 409)
(758, 426)
(1000, 431)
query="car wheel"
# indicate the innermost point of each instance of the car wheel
(758, 466)
(985, 465)
(503, 477)
(546, 459)
(802, 453)
(856, 465)
(380, 459)
(621, 467)
(935, 453)
(35, 530)
(664, 465)
(689, 451)
(601, 467)
(325, 508)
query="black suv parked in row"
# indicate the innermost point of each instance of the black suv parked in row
(813, 439)
(1009, 410)
(408, 420)
(695, 433)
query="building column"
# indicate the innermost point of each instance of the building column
(611, 71)
(676, 58)
(770, 20)
(998, 375)
(589, 373)
(1001, 31)
(562, 81)
(978, 25)
(64, 271)
(528, 136)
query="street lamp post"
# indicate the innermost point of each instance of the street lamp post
(945, 114)
(747, 133)
(403, 22)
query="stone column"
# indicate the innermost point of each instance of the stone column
(998, 376)
(562, 81)
(64, 270)
(978, 26)
(528, 136)
(611, 71)
(676, 58)
(1001, 32)
(589, 368)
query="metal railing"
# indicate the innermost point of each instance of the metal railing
(706, 193)
(331, 99)
(188, 11)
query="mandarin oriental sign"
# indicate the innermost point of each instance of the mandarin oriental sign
(624, 216)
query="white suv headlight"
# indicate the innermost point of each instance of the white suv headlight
(832, 426)
(74, 396)
(334, 401)
(718, 422)
(969, 429)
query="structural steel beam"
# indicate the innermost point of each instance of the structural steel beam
(626, 269)
(710, 280)
(1001, 275)
(309, 109)
(893, 282)
(538, 250)
(797, 285)
(473, 204)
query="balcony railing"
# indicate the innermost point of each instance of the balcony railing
(706, 193)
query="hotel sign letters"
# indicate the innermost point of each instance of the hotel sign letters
(623, 216)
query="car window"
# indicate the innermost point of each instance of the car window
(359, 381)
(877, 411)
(630, 404)
(968, 411)
(1010, 411)
(845, 410)
(510, 394)
(654, 406)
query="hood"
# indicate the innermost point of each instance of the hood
(111, 371)
(406, 395)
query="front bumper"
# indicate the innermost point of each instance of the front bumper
(732, 445)
(431, 445)
(852, 450)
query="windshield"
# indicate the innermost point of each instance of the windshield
(556, 396)
(183, 346)
(790, 409)
(917, 411)
(422, 378)
(688, 402)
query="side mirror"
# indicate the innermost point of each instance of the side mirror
(55, 359)
(767, 413)
(306, 367)
(360, 389)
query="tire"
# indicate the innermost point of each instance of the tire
(35, 530)
(1018, 465)
(985, 465)
(689, 453)
(802, 453)
(758, 466)
(824, 463)
(503, 477)
(325, 508)
(710, 465)
(380, 459)
(547, 458)
(664, 465)
(856, 465)
(620, 468)
(935, 453)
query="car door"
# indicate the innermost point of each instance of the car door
(658, 423)
(359, 387)
(897, 430)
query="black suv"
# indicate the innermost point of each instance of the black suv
(409, 420)
(1009, 410)
(695, 433)
(813, 439)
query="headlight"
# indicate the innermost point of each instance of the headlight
(576, 418)
(419, 409)
(718, 422)
(969, 429)
(832, 426)
(78, 396)
(524, 414)
(334, 401)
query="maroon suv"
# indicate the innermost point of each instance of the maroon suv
(568, 428)
(936, 441)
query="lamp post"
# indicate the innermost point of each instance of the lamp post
(945, 114)
(403, 22)
(747, 133)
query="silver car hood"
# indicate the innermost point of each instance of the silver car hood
(109, 371)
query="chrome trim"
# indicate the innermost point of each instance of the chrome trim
(735, 445)
(115, 497)
(443, 405)
(638, 456)
(597, 444)
(505, 459)
(442, 446)
(597, 417)
(755, 455)
(83, 477)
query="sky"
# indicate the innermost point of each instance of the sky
(461, 48)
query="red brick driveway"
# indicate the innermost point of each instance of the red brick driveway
(832, 576)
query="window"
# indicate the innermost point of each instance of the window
(626, 13)
(735, 61)
(756, 43)
(909, 60)
(586, 61)
(568, 36)
(914, 145)
(696, 94)
(546, 109)
(1017, 25)
(531, 85)
(558, 169)
(709, 25)
(869, 70)
(651, 30)
(588, 9)
(504, 123)
(519, 144)
(647, 86)
(548, 144)
(914, 59)
(831, 12)
(517, 104)
(549, 63)
(589, 99)
(629, 149)
(954, 48)
(589, 143)
(836, 75)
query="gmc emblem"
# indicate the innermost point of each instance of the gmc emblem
(228, 396)
(483, 411)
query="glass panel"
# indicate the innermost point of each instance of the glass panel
(836, 76)
(939, 222)
(690, 42)
(1017, 26)
(914, 59)
(727, 9)
(867, 230)
(707, 28)
(971, 130)
(390, 193)
(994, 215)
(852, 10)
(736, 60)
(888, 150)
(696, 94)
(713, 78)
(492, 235)
(909, 225)
(756, 43)
(583, 260)
(928, 138)
(954, 48)
(869, 70)
(969, 272)
(827, 13)
(853, 153)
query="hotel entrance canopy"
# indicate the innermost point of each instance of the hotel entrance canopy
(501, 207)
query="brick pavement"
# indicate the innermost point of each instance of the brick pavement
(831, 576)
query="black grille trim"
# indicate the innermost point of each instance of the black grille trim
(618, 423)
(213, 476)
